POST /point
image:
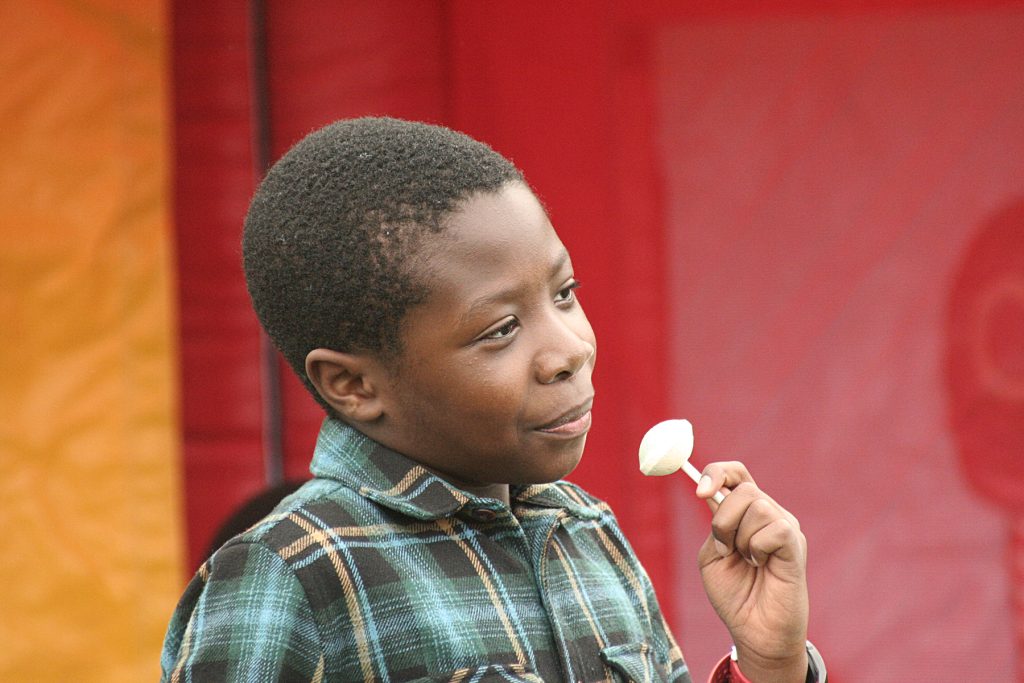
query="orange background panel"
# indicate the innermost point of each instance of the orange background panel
(89, 448)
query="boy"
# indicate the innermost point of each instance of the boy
(412, 279)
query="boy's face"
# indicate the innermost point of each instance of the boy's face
(494, 381)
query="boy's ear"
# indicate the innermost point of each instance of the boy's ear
(349, 382)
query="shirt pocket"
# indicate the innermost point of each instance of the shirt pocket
(634, 662)
(491, 673)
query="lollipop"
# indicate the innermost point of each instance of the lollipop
(666, 448)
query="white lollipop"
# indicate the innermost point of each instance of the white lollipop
(666, 448)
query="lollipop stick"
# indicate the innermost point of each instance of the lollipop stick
(692, 472)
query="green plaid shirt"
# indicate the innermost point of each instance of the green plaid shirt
(378, 570)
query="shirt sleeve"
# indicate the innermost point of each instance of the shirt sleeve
(244, 617)
(727, 671)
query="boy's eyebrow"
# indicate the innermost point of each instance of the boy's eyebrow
(511, 292)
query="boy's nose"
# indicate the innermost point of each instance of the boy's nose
(569, 352)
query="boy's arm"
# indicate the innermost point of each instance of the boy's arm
(247, 619)
(753, 565)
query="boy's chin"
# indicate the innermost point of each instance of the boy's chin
(560, 468)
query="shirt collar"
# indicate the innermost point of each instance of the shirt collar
(399, 483)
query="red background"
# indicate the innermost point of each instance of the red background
(793, 225)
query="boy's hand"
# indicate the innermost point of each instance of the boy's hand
(753, 565)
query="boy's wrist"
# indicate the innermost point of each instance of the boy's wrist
(788, 666)
(790, 671)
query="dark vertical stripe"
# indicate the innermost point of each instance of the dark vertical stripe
(222, 412)
(270, 378)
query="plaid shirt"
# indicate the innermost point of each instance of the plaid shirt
(378, 570)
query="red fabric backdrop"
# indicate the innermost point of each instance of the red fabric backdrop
(779, 218)
(828, 176)
(403, 59)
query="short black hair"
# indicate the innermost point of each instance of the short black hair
(331, 233)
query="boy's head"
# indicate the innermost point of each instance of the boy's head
(334, 231)
(415, 283)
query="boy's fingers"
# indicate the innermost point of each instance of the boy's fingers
(767, 528)
(725, 521)
(759, 514)
(721, 475)
(778, 538)
(743, 513)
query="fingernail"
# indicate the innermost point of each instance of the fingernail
(722, 550)
(753, 561)
(704, 485)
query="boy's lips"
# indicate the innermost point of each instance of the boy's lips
(572, 422)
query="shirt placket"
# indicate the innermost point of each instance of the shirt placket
(570, 628)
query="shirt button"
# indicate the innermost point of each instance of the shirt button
(482, 514)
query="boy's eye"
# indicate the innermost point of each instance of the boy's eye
(504, 331)
(567, 293)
